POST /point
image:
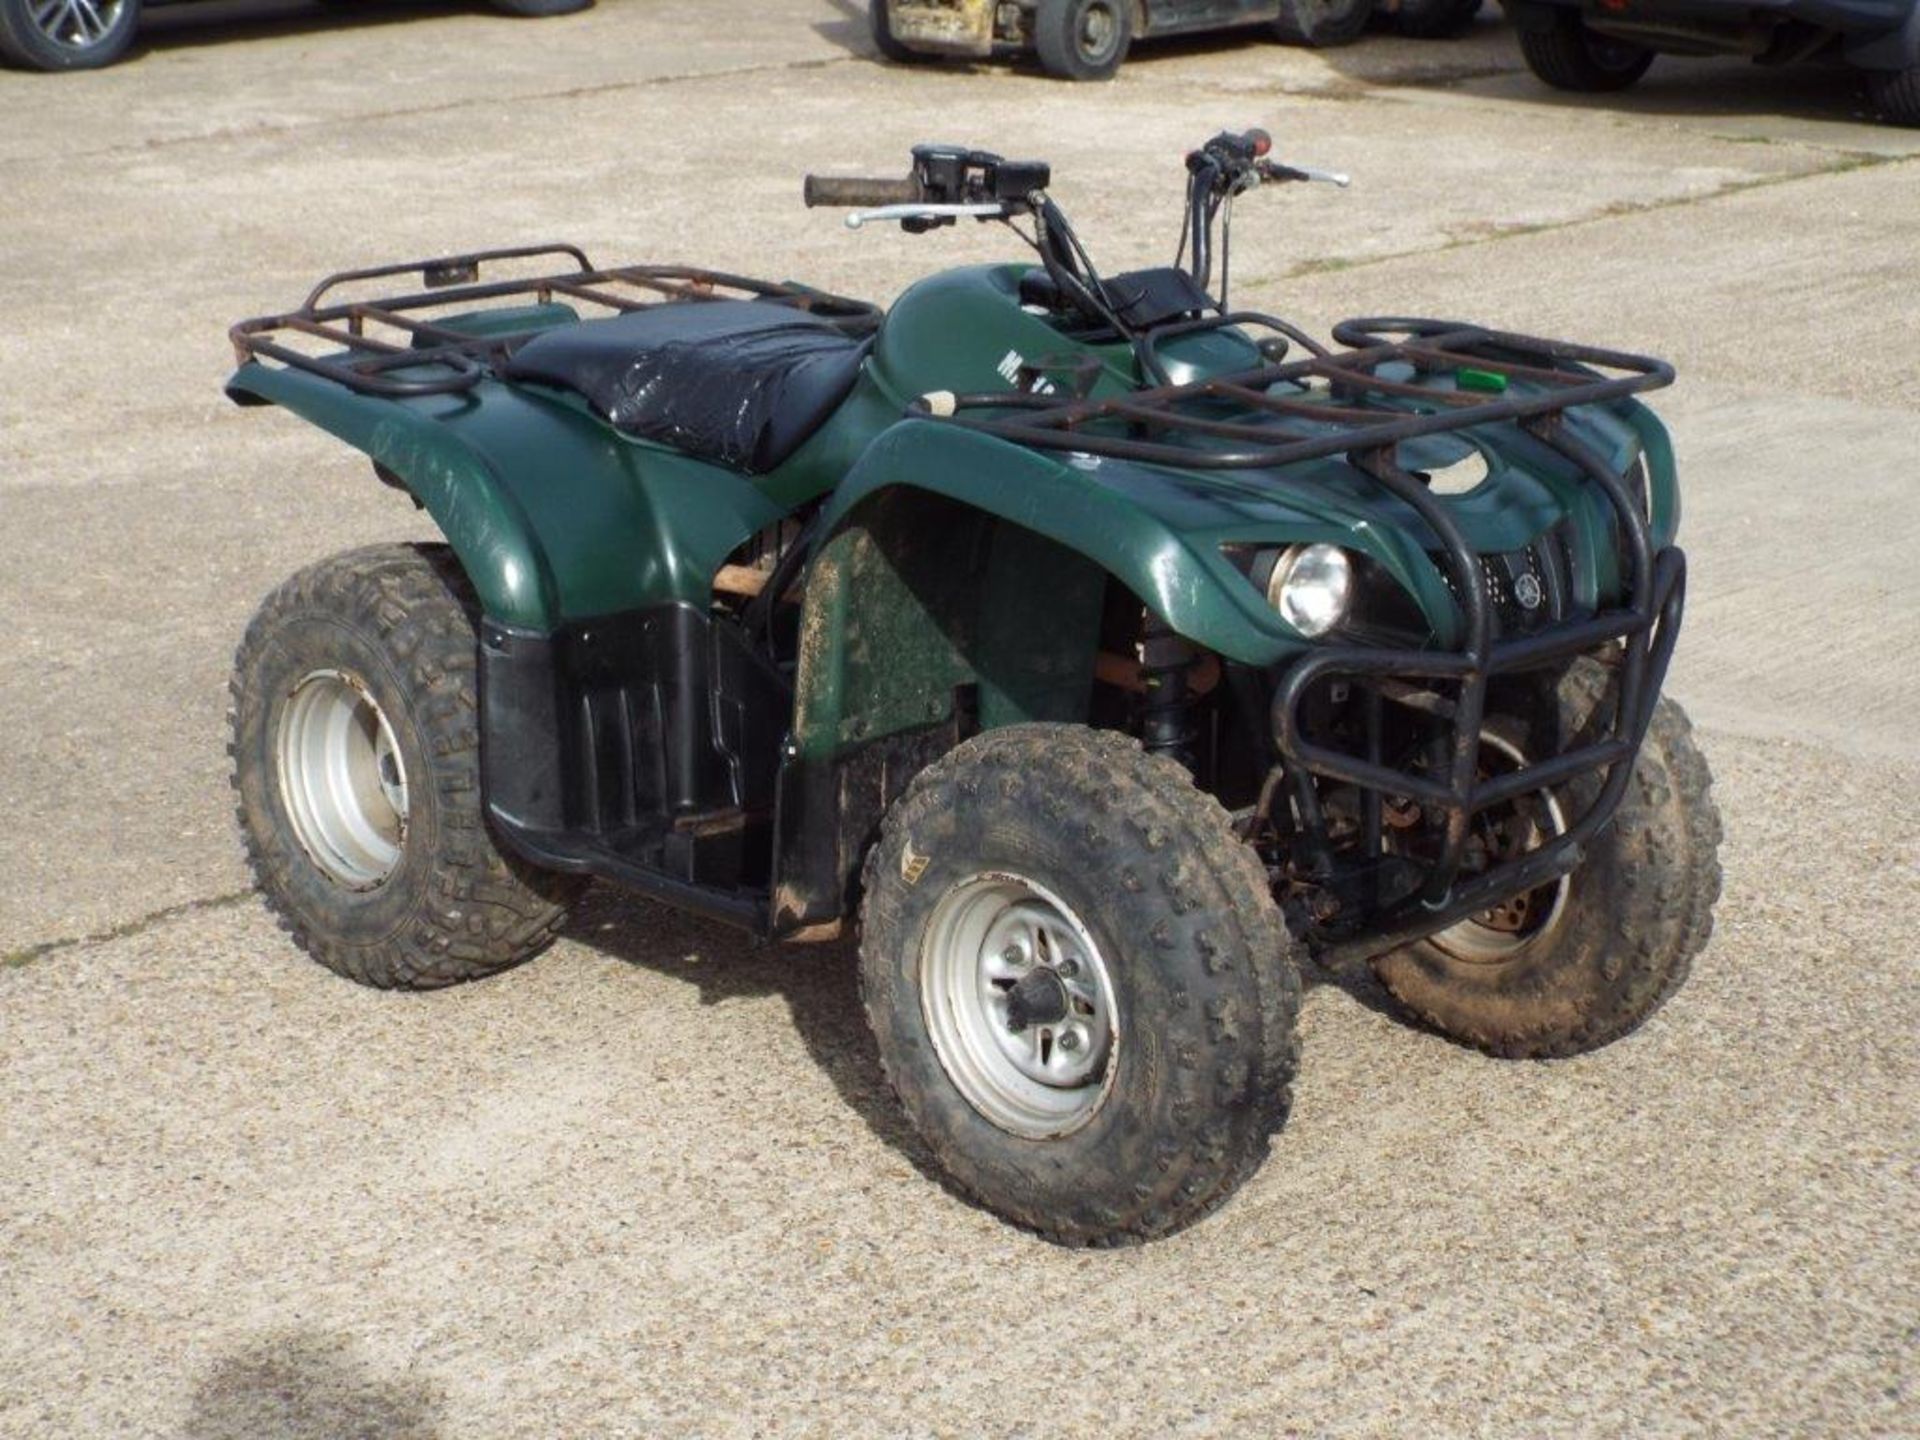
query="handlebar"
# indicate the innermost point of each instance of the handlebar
(860, 192)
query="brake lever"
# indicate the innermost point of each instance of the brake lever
(993, 210)
(1302, 172)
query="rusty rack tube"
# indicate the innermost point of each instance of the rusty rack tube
(1049, 423)
(449, 360)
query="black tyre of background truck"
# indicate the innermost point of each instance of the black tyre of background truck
(52, 35)
(1577, 965)
(355, 745)
(1322, 24)
(1569, 56)
(1080, 986)
(541, 9)
(881, 28)
(1896, 94)
(1435, 19)
(1082, 39)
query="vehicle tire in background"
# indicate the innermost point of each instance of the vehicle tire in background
(1569, 56)
(891, 50)
(1079, 983)
(539, 9)
(1083, 39)
(66, 34)
(1435, 19)
(1322, 24)
(1896, 94)
(1579, 963)
(356, 754)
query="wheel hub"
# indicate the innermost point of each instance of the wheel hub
(343, 779)
(75, 24)
(1500, 933)
(1019, 1005)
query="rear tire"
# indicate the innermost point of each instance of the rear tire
(1569, 56)
(1622, 939)
(1322, 24)
(1435, 19)
(891, 50)
(1083, 39)
(1065, 859)
(40, 35)
(356, 753)
(1896, 94)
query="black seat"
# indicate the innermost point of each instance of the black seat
(740, 383)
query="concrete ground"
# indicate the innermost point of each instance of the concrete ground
(652, 1184)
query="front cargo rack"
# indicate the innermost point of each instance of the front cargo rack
(1331, 402)
(400, 345)
(1338, 403)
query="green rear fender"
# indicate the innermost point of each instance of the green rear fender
(553, 515)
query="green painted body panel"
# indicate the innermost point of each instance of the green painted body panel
(558, 517)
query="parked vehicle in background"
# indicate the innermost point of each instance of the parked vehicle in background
(87, 34)
(1089, 39)
(1601, 45)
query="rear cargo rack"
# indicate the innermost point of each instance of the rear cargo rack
(399, 345)
(1332, 402)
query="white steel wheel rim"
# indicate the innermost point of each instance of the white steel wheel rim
(344, 779)
(1476, 940)
(1019, 1004)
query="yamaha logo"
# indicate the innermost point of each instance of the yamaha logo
(1527, 591)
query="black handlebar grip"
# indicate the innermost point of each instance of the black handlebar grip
(857, 190)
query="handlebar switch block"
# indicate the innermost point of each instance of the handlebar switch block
(951, 175)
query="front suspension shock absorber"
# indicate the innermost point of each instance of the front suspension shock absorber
(1166, 719)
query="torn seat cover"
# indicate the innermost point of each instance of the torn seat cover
(739, 383)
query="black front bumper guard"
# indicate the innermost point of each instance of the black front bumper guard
(1644, 628)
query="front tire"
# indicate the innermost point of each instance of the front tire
(1607, 946)
(1083, 39)
(355, 745)
(1080, 986)
(1569, 56)
(1322, 24)
(58, 35)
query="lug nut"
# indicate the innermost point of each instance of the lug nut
(1067, 969)
(1011, 955)
(1069, 1041)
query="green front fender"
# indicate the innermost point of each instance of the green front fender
(554, 516)
(950, 558)
(1158, 533)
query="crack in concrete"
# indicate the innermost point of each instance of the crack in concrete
(140, 924)
(1619, 210)
(268, 130)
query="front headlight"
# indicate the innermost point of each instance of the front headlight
(1312, 587)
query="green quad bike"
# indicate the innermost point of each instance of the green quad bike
(1107, 651)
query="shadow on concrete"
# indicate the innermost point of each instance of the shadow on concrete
(819, 983)
(301, 1385)
(187, 26)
